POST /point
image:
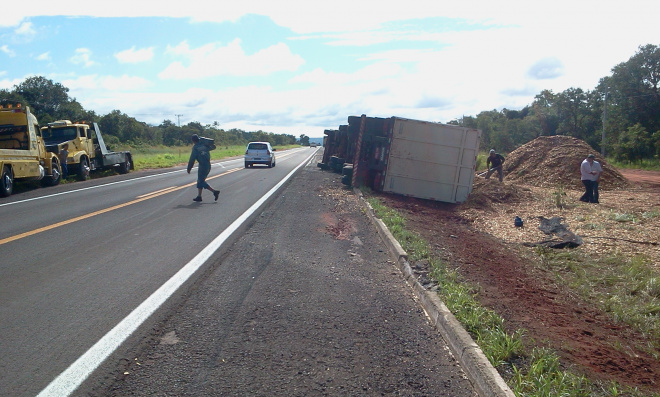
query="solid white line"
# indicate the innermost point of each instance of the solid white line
(69, 380)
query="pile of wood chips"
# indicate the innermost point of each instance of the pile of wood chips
(551, 161)
(542, 179)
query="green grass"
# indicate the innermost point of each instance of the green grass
(628, 289)
(646, 164)
(149, 157)
(535, 373)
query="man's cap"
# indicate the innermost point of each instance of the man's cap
(591, 156)
(194, 137)
(492, 151)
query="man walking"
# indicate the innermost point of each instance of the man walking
(590, 171)
(494, 163)
(200, 152)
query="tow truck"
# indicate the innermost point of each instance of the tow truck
(23, 154)
(87, 149)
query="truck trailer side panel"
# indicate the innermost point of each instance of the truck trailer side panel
(431, 160)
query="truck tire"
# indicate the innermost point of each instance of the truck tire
(125, 168)
(55, 175)
(83, 169)
(7, 182)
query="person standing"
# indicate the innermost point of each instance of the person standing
(494, 163)
(590, 174)
(200, 153)
(64, 153)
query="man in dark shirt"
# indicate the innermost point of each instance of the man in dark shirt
(200, 152)
(494, 163)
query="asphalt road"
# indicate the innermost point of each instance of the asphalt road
(307, 302)
(78, 259)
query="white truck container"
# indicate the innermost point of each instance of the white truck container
(431, 160)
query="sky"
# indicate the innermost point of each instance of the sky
(303, 66)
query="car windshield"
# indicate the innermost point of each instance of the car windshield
(257, 146)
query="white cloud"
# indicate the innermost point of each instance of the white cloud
(503, 54)
(82, 56)
(5, 48)
(135, 56)
(94, 84)
(25, 29)
(215, 60)
(43, 57)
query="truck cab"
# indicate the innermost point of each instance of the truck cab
(23, 154)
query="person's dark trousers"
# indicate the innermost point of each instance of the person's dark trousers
(595, 192)
(588, 196)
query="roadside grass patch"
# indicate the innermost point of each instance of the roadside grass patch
(628, 289)
(622, 217)
(149, 157)
(644, 164)
(530, 374)
(651, 214)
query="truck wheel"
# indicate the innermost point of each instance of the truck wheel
(55, 175)
(7, 182)
(124, 168)
(83, 169)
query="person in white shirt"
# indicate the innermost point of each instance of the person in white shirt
(590, 171)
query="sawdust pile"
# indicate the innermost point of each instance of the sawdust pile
(551, 161)
(486, 192)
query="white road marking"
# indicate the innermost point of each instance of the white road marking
(69, 380)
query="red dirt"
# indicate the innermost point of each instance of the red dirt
(529, 298)
(643, 178)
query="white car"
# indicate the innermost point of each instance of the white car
(259, 153)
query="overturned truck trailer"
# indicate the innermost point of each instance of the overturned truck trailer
(410, 157)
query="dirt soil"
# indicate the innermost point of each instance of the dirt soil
(478, 239)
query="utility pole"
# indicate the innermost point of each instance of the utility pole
(178, 117)
(602, 142)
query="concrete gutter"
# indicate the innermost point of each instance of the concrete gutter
(483, 375)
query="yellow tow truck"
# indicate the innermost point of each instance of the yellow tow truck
(87, 149)
(23, 154)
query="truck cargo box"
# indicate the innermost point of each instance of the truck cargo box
(431, 160)
(410, 157)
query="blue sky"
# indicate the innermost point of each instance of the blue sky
(299, 67)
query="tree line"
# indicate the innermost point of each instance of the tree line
(50, 101)
(620, 117)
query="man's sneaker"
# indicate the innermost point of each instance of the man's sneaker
(216, 194)
(198, 198)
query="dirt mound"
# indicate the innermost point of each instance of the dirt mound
(551, 161)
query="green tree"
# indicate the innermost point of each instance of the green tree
(304, 140)
(44, 96)
(634, 144)
(633, 92)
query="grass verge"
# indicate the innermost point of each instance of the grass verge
(535, 373)
(149, 157)
(645, 164)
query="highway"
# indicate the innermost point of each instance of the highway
(83, 265)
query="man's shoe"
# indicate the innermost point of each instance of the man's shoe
(198, 198)
(216, 194)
